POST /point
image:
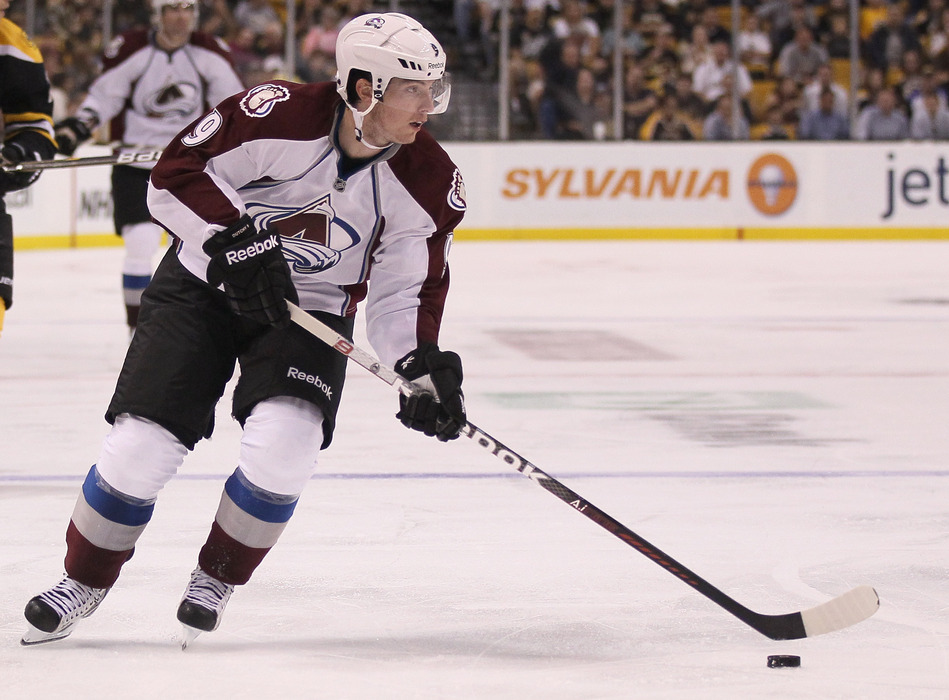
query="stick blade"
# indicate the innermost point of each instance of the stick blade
(843, 611)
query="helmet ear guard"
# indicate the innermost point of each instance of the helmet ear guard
(383, 46)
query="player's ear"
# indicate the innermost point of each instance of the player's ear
(364, 92)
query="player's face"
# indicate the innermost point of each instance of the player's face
(177, 20)
(4, 6)
(402, 112)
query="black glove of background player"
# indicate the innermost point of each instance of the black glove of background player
(70, 133)
(438, 408)
(255, 274)
(12, 154)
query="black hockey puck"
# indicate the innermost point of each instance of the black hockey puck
(784, 661)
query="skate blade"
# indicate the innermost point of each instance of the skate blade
(33, 636)
(188, 635)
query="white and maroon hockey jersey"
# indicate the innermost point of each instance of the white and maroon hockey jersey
(381, 233)
(148, 95)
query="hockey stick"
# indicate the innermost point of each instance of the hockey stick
(114, 159)
(840, 612)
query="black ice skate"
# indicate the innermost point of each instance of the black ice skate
(202, 605)
(54, 614)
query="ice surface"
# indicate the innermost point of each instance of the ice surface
(773, 415)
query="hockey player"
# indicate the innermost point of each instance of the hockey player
(27, 130)
(153, 84)
(327, 194)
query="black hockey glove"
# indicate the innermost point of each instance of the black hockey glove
(70, 133)
(254, 272)
(11, 181)
(438, 407)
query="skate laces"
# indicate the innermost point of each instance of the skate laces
(207, 592)
(71, 599)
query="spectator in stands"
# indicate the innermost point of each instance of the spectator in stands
(754, 47)
(320, 40)
(255, 14)
(639, 101)
(695, 50)
(632, 42)
(561, 63)
(937, 38)
(531, 34)
(689, 103)
(837, 38)
(712, 23)
(930, 120)
(911, 76)
(824, 80)
(787, 99)
(926, 17)
(650, 16)
(883, 120)
(217, 19)
(572, 23)
(583, 112)
(824, 123)
(784, 17)
(891, 39)
(723, 124)
(774, 128)
(708, 78)
(800, 59)
(873, 82)
(872, 15)
(662, 57)
(667, 122)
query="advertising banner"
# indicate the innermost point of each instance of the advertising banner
(617, 190)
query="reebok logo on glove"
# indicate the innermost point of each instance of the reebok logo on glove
(232, 257)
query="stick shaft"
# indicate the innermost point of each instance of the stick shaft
(126, 158)
(786, 626)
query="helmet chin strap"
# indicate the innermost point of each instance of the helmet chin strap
(358, 119)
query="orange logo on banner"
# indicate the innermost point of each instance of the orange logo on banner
(772, 184)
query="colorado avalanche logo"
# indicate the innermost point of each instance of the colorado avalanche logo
(456, 195)
(313, 238)
(260, 101)
(375, 22)
(173, 101)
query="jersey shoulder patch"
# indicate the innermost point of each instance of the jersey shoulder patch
(123, 46)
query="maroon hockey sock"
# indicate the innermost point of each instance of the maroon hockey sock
(91, 565)
(228, 560)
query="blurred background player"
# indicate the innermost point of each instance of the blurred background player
(27, 130)
(153, 84)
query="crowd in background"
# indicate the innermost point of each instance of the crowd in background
(792, 73)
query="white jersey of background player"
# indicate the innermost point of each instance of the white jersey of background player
(153, 84)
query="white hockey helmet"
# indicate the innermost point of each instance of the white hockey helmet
(159, 5)
(385, 46)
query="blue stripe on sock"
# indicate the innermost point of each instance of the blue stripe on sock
(107, 503)
(263, 505)
(135, 281)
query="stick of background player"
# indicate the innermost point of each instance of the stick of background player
(28, 134)
(153, 84)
